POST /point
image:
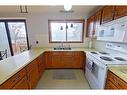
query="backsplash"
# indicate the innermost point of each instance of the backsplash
(101, 45)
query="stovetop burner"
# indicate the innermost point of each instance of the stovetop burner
(105, 53)
(120, 59)
(94, 52)
(106, 58)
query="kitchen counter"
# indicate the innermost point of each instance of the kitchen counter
(120, 71)
(11, 65)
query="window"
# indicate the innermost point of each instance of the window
(13, 36)
(66, 31)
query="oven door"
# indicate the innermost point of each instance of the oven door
(97, 75)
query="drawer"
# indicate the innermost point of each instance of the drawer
(56, 53)
(68, 53)
(117, 81)
(73, 53)
(13, 80)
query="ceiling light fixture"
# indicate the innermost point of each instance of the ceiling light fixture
(67, 7)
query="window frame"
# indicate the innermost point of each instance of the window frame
(8, 33)
(66, 21)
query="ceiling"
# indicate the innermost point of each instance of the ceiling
(47, 9)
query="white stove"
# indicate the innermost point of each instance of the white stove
(97, 65)
(109, 58)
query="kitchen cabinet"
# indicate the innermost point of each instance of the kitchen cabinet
(41, 64)
(97, 20)
(14, 80)
(65, 59)
(73, 59)
(32, 73)
(56, 59)
(28, 77)
(22, 84)
(114, 82)
(48, 61)
(90, 26)
(107, 14)
(120, 11)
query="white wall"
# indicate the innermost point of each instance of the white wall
(37, 26)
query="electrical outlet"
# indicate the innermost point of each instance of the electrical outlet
(37, 42)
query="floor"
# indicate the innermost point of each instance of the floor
(63, 79)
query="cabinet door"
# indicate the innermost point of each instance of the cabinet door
(22, 84)
(56, 61)
(97, 20)
(67, 61)
(120, 11)
(33, 75)
(48, 61)
(90, 26)
(41, 64)
(33, 79)
(107, 14)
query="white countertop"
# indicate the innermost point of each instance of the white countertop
(11, 65)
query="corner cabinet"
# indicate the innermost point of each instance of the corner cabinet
(28, 77)
(107, 14)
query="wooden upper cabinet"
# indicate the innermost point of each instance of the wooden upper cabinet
(107, 14)
(97, 20)
(90, 26)
(120, 11)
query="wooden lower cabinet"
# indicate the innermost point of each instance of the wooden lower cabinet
(65, 59)
(14, 80)
(33, 74)
(41, 64)
(114, 82)
(28, 77)
(48, 61)
(22, 84)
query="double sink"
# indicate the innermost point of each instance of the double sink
(59, 48)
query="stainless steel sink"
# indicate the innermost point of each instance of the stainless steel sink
(58, 48)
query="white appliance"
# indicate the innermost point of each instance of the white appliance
(114, 31)
(97, 65)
